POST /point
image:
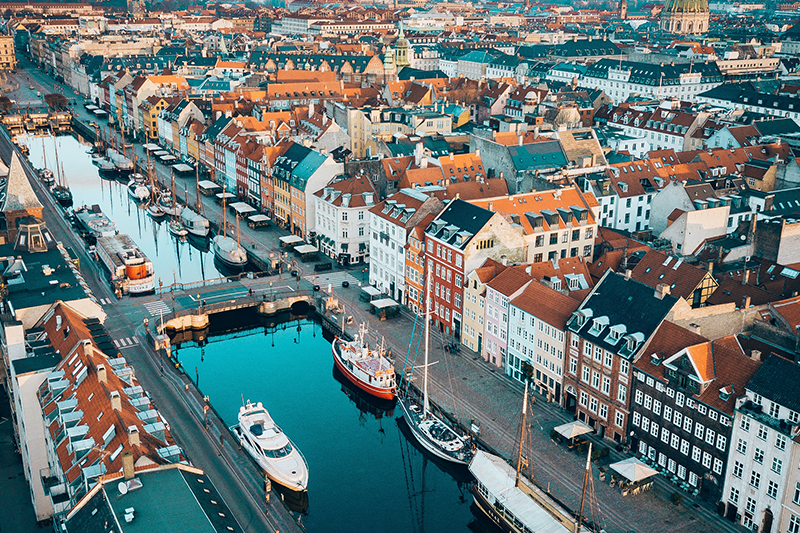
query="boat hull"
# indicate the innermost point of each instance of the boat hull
(378, 392)
(490, 512)
(405, 405)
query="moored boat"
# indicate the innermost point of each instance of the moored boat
(131, 271)
(177, 229)
(62, 195)
(269, 446)
(92, 220)
(47, 176)
(196, 224)
(228, 252)
(433, 433)
(137, 190)
(368, 369)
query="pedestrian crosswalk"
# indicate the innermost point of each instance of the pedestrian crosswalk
(105, 301)
(157, 308)
(127, 342)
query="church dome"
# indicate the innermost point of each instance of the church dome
(686, 6)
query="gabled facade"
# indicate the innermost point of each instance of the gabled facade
(342, 221)
(499, 292)
(607, 335)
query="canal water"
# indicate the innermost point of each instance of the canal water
(173, 260)
(364, 473)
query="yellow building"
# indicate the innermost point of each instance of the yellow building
(8, 59)
(149, 110)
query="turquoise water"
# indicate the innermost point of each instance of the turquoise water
(173, 260)
(364, 473)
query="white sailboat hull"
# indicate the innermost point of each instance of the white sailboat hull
(408, 407)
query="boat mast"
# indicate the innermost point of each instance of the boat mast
(522, 433)
(224, 214)
(58, 165)
(197, 186)
(172, 186)
(44, 153)
(425, 403)
(578, 526)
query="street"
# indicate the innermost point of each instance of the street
(462, 383)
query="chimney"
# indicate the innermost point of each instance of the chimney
(628, 273)
(452, 157)
(745, 277)
(310, 109)
(133, 436)
(519, 140)
(423, 162)
(477, 152)
(528, 270)
(746, 302)
(490, 207)
(755, 355)
(662, 289)
(127, 464)
(102, 376)
(116, 401)
(417, 153)
(710, 267)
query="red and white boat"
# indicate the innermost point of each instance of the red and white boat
(369, 370)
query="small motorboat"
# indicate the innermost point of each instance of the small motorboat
(177, 228)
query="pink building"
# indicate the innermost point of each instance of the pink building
(499, 292)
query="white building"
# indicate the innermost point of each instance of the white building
(342, 219)
(620, 79)
(390, 223)
(764, 454)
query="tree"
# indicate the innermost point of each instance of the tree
(527, 371)
(56, 101)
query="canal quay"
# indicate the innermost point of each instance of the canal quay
(364, 472)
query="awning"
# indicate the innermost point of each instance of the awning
(208, 185)
(573, 429)
(290, 239)
(633, 469)
(362, 246)
(258, 218)
(182, 167)
(242, 208)
(306, 249)
(344, 246)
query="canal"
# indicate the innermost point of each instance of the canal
(364, 473)
(173, 260)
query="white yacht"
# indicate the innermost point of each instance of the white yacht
(270, 447)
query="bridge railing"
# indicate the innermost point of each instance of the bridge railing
(251, 300)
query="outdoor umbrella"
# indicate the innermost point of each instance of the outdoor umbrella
(633, 469)
(573, 429)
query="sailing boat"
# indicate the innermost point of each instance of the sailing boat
(154, 209)
(227, 250)
(175, 225)
(433, 433)
(512, 501)
(46, 175)
(194, 222)
(61, 192)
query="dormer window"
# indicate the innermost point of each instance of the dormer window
(598, 324)
(615, 333)
(579, 318)
(725, 393)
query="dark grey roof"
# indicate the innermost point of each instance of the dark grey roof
(776, 381)
(780, 126)
(407, 73)
(651, 73)
(580, 48)
(35, 364)
(735, 93)
(624, 302)
(459, 217)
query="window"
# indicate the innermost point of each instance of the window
(668, 413)
(603, 413)
(609, 360)
(780, 442)
(710, 435)
(750, 507)
(733, 497)
(772, 489)
(794, 524)
(745, 424)
(741, 446)
(585, 374)
(721, 442)
(622, 393)
(758, 456)
(685, 447)
(706, 460)
(624, 366)
(593, 404)
(648, 402)
(762, 432)
(606, 385)
(619, 419)
(738, 468)
(755, 479)
(637, 420)
(678, 419)
(573, 365)
(638, 397)
(696, 454)
(774, 410)
(777, 465)
(796, 499)
(584, 398)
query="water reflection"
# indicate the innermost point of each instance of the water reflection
(365, 475)
(182, 261)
